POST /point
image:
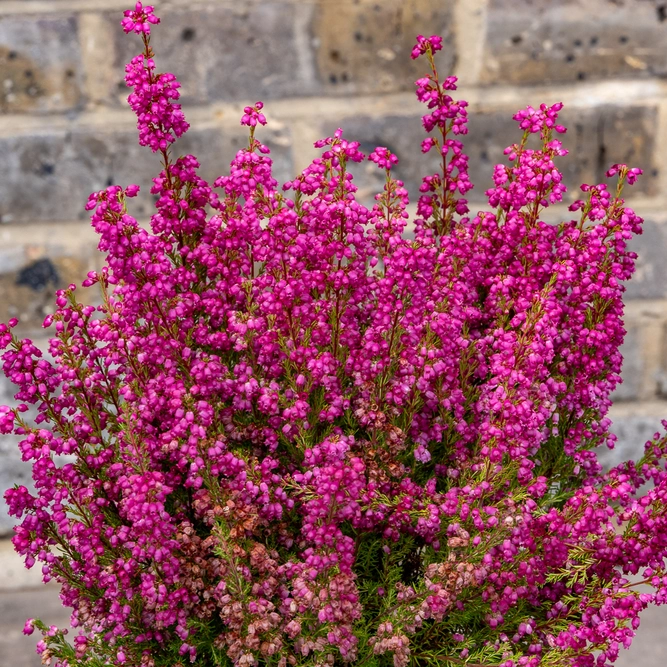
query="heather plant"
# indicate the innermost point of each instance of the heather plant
(296, 435)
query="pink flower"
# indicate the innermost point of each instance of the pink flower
(139, 19)
(426, 44)
(160, 120)
(252, 116)
(633, 174)
(275, 404)
(383, 157)
(630, 174)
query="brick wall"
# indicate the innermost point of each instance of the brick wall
(65, 129)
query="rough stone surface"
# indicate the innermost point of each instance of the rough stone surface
(96, 38)
(40, 64)
(35, 260)
(596, 138)
(247, 51)
(592, 139)
(633, 366)
(28, 293)
(364, 47)
(49, 177)
(292, 50)
(540, 41)
(661, 373)
(16, 649)
(14, 576)
(650, 279)
(632, 432)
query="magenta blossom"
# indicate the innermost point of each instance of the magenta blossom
(252, 116)
(139, 19)
(383, 158)
(426, 44)
(279, 430)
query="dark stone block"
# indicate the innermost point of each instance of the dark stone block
(633, 367)
(84, 160)
(40, 64)
(543, 42)
(364, 47)
(596, 139)
(245, 52)
(650, 278)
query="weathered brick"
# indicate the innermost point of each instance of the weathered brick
(632, 432)
(364, 47)
(661, 370)
(650, 278)
(248, 51)
(542, 42)
(15, 577)
(268, 50)
(596, 139)
(49, 177)
(28, 293)
(40, 64)
(633, 366)
(96, 37)
(401, 134)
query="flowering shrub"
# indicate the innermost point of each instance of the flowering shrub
(297, 436)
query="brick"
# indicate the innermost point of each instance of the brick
(18, 650)
(652, 338)
(49, 177)
(11, 259)
(284, 49)
(544, 42)
(632, 431)
(596, 139)
(223, 52)
(96, 36)
(661, 371)
(40, 64)
(14, 576)
(401, 134)
(364, 47)
(28, 293)
(650, 278)
(633, 366)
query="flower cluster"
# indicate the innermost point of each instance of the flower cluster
(139, 19)
(426, 45)
(154, 98)
(296, 436)
(383, 158)
(253, 115)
